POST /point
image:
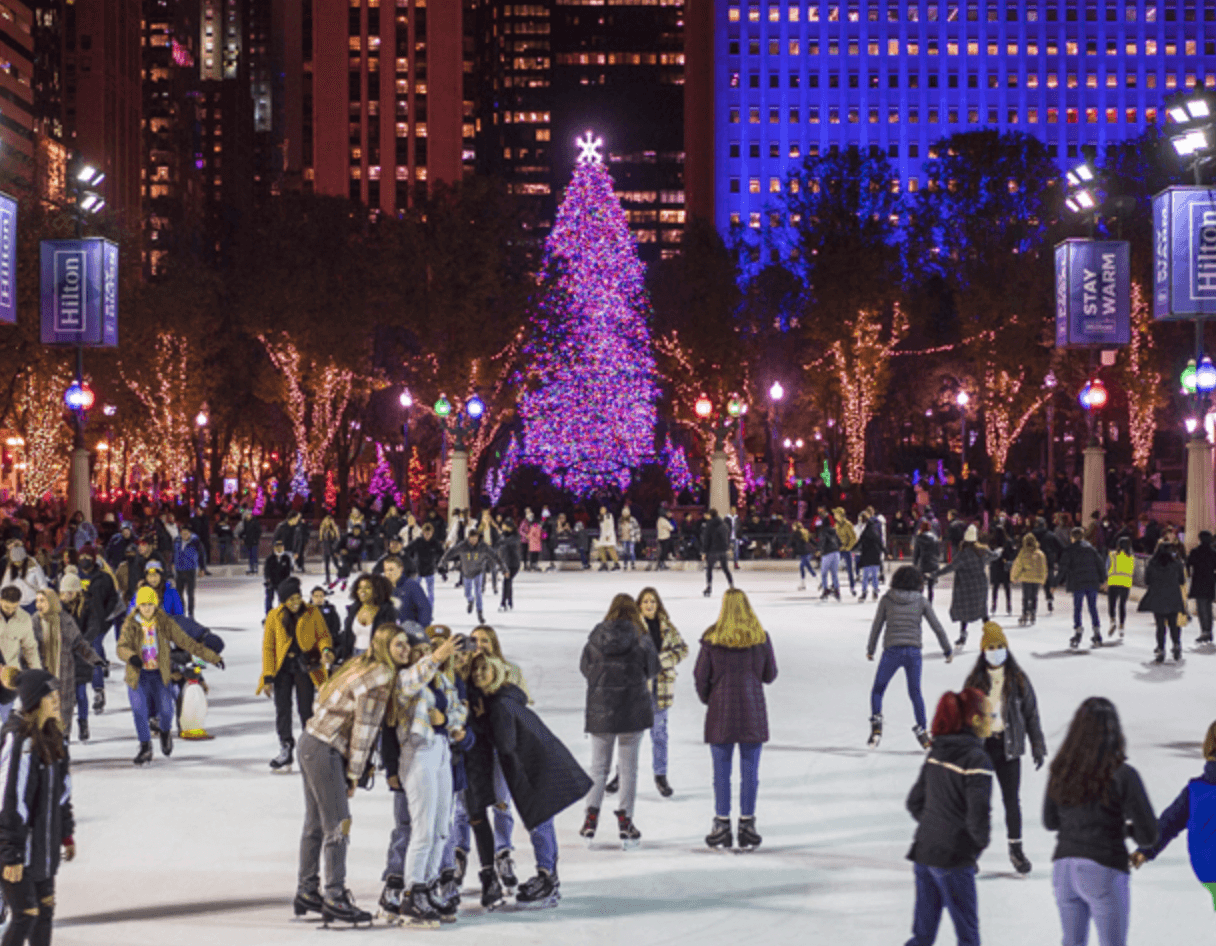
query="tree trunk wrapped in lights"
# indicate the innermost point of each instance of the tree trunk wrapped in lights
(1142, 381)
(170, 403)
(1009, 399)
(860, 363)
(38, 405)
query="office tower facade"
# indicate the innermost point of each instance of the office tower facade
(550, 72)
(18, 119)
(799, 78)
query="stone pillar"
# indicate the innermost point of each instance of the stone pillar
(719, 484)
(1093, 485)
(79, 498)
(458, 488)
(1200, 506)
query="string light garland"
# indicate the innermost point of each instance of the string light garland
(39, 415)
(170, 407)
(1142, 382)
(331, 491)
(588, 406)
(381, 484)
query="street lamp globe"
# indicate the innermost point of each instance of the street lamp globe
(787, 443)
(1189, 377)
(201, 419)
(1097, 395)
(406, 399)
(776, 392)
(735, 407)
(963, 399)
(443, 407)
(475, 407)
(1205, 375)
(704, 407)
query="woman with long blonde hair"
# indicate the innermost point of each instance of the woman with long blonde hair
(334, 751)
(735, 662)
(59, 644)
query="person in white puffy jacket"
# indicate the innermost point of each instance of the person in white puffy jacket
(605, 544)
(23, 573)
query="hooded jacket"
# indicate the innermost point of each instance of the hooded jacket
(35, 807)
(473, 560)
(1031, 565)
(1082, 568)
(951, 802)
(901, 612)
(618, 663)
(1164, 580)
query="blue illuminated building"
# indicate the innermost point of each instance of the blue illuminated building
(801, 77)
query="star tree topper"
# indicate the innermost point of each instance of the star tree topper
(589, 149)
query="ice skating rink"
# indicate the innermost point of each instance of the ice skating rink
(201, 848)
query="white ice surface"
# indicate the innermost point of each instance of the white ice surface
(202, 848)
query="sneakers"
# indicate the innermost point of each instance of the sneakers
(590, 823)
(660, 782)
(720, 834)
(749, 840)
(631, 837)
(342, 909)
(542, 891)
(875, 731)
(392, 895)
(306, 901)
(1018, 858)
(145, 754)
(491, 889)
(417, 910)
(925, 740)
(506, 868)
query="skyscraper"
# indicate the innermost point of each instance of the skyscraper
(18, 118)
(802, 77)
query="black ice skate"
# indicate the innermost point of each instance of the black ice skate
(166, 744)
(145, 754)
(720, 834)
(589, 825)
(307, 901)
(444, 898)
(542, 891)
(631, 837)
(749, 840)
(1019, 860)
(660, 782)
(506, 868)
(342, 909)
(99, 701)
(391, 897)
(1159, 655)
(1177, 654)
(282, 762)
(83, 727)
(417, 911)
(875, 731)
(614, 786)
(925, 740)
(1075, 641)
(491, 889)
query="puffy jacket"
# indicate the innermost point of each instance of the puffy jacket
(619, 664)
(36, 806)
(927, 553)
(1030, 566)
(311, 637)
(1081, 567)
(730, 682)
(1096, 830)
(951, 802)
(1195, 810)
(1164, 581)
(844, 530)
(901, 612)
(17, 643)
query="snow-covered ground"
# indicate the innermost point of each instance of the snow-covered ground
(202, 848)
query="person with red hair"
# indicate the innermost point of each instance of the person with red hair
(951, 803)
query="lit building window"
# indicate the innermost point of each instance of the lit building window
(753, 220)
(753, 185)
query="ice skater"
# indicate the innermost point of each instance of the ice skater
(969, 597)
(715, 541)
(1082, 573)
(671, 650)
(901, 612)
(1029, 570)
(1164, 580)
(1120, 571)
(474, 558)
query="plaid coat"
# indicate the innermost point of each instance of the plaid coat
(671, 651)
(730, 681)
(969, 600)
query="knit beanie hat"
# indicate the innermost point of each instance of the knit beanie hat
(71, 582)
(32, 686)
(154, 565)
(287, 588)
(972, 534)
(993, 636)
(146, 595)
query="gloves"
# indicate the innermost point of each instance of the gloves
(136, 661)
(220, 663)
(1038, 762)
(267, 680)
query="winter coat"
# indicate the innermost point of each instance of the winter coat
(730, 681)
(1164, 582)
(426, 554)
(510, 550)
(36, 806)
(715, 537)
(631, 530)
(969, 599)
(91, 625)
(1201, 563)
(827, 539)
(71, 645)
(1195, 810)
(276, 569)
(607, 536)
(1049, 545)
(844, 530)
(18, 647)
(951, 802)
(1030, 567)
(251, 533)
(1082, 568)
(927, 553)
(345, 643)
(870, 545)
(619, 664)
(540, 772)
(663, 528)
(104, 595)
(411, 602)
(902, 612)
(1096, 830)
(131, 641)
(473, 560)
(29, 579)
(311, 638)
(1019, 709)
(534, 532)
(672, 650)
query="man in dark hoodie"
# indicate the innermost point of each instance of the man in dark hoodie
(1083, 572)
(1201, 564)
(1052, 548)
(715, 543)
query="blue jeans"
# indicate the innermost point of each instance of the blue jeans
(1089, 595)
(848, 567)
(829, 565)
(399, 837)
(252, 552)
(99, 647)
(658, 738)
(82, 701)
(269, 598)
(544, 845)
(504, 821)
(869, 576)
(1086, 889)
(151, 693)
(749, 776)
(429, 581)
(472, 590)
(892, 659)
(949, 887)
(629, 555)
(804, 566)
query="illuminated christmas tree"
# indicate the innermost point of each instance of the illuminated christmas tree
(588, 409)
(382, 477)
(331, 491)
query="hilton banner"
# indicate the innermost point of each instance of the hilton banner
(1184, 253)
(8, 259)
(80, 292)
(1093, 294)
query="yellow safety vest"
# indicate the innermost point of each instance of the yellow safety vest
(1120, 570)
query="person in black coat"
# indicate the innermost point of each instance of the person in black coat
(275, 571)
(1164, 580)
(619, 661)
(715, 548)
(542, 775)
(869, 554)
(426, 551)
(1051, 547)
(251, 538)
(927, 556)
(510, 551)
(1201, 563)
(1083, 572)
(951, 802)
(321, 602)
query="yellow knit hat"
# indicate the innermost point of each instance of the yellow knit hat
(147, 595)
(994, 636)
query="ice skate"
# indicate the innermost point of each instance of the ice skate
(1023, 621)
(83, 728)
(480, 618)
(631, 837)
(749, 840)
(720, 834)
(875, 731)
(506, 868)
(660, 782)
(282, 762)
(1018, 858)
(1177, 654)
(445, 896)
(836, 593)
(708, 591)
(342, 909)
(462, 865)
(541, 892)
(923, 737)
(1096, 639)
(491, 889)
(590, 823)
(1159, 655)
(306, 901)
(1075, 641)
(416, 910)
(862, 599)
(145, 754)
(391, 898)
(802, 586)
(99, 701)
(166, 743)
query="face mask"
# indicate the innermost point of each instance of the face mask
(995, 657)
(17, 553)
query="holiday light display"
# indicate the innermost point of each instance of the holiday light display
(170, 406)
(39, 420)
(299, 479)
(331, 491)
(382, 477)
(315, 396)
(588, 404)
(1141, 381)
(675, 462)
(419, 480)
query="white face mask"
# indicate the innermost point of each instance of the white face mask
(995, 657)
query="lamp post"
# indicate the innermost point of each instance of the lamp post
(962, 399)
(79, 399)
(1093, 398)
(407, 401)
(200, 421)
(1198, 380)
(776, 393)
(719, 478)
(458, 425)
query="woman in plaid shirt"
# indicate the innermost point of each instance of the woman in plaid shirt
(333, 753)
